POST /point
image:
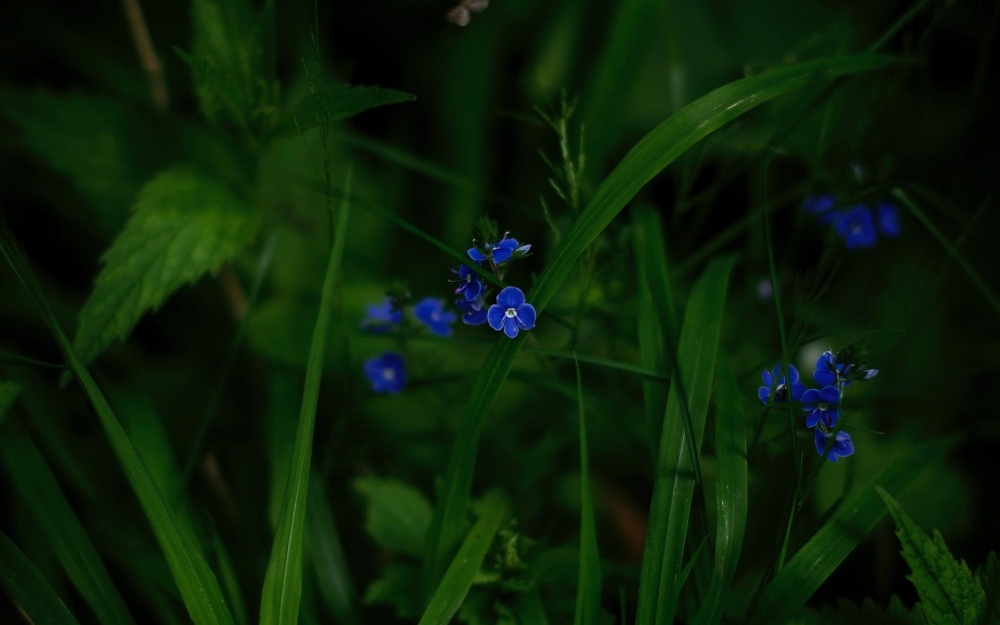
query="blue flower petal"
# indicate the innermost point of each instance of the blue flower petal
(526, 316)
(763, 393)
(475, 288)
(501, 255)
(387, 373)
(843, 446)
(824, 377)
(497, 315)
(829, 395)
(810, 399)
(475, 317)
(870, 373)
(793, 373)
(510, 297)
(888, 219)
(476, 255)
(812, 419)
(510, 329)
(798, 390)
(766, 378)
(830, 417)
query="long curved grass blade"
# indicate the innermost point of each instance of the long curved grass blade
(458, 579)
(946, 244)
(588, 587)
(29, 589)
(197, 584)
(333, 577)
(282, 592)
(230, 583)
(52, 511)
(785, 595)
(730, 491)
(644, 161)
(673, 490)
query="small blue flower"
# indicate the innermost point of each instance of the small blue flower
(381, 318)
(821, 205)
(829, 372)
(841, 448)
(474, 312)
(823, 405)
(501, 251)
(430, 312)
(888, 219)
(780, 391)
(469, 282)
(857, 227)
(387, 373)
(511, 313)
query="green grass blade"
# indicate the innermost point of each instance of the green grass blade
(230, 583)
(195, 580)
(282, 592)
(458, 579)
(29, 589)
(588, 587)
(644, 161)
(946, 244)
(730, 491)
(53, 513)
(333, 577)
(673, 490)
(785, 595)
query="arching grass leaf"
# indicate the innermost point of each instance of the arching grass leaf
(28, 589)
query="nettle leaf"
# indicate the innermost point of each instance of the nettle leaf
(106, 149)
(988, 575)
(868, 613)
(398, 515)
(398, 586)
(345, 101)
(949, 594)
(217, 89)
(184, 226)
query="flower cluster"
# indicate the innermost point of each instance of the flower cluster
(858, 225)
(833, 372)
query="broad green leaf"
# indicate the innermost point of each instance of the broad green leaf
(660, 582)
(398, 515)
(462, 572)
(28, 589)
(949, 593)
(53, 513)
(644, 161)
(343, 102)
(184, 226)
(9, 390)
(282, 592)
(333, 577)
(588, 587)
(785, 595)
(99, 144)
(229, 54)
(399, 585)
(730, 491)
(195, 580)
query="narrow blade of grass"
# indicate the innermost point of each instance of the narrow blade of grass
(458, 579)
(946, 244)
(230, 583)
(588, 587)
(785, 595)
(673, 490)
(730, 491)
(644, 161)
(197, 584)
(29, 589)
(53, 513)
(333, 578)
(282, 591)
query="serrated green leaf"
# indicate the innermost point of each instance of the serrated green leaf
(588, 587)
(217, 89)
(29, 589)
(988, 575)
(227, 43)
(673, 490)
(643, 162)
(9, 390)
(398, 515)
(399, 585)
(343, 102)
(730, 492)
(184, 226)
(868, 613)
(465, 566)
(949, 593)
(53, 513)
(282, 592)
(785, 595)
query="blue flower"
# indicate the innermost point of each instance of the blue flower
(469, 283)
(381, 318)
(780, 391)
(822, 405)
(841, 448)
(387, 373)
(430, 312)
(821, 205)
(888, 219)
(829, 372)
(500, 252)
(474, 313)
(857, 227)
(511, 313)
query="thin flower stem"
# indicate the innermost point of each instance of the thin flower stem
(147, 54)
(791, 514)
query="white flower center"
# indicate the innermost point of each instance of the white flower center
(822, 406)
(388, 374)
(511, 313)
(468, 278)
